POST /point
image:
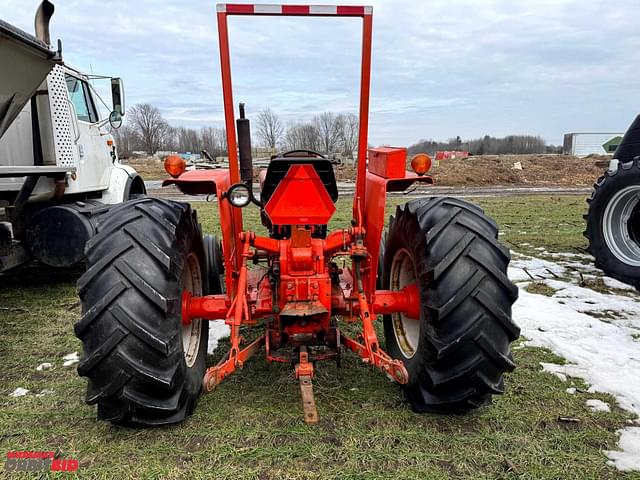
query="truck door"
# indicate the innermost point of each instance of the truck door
(93, 152)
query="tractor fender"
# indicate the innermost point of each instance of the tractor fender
(629, 148)
(201, 182)
(216, 182)
(124, 184)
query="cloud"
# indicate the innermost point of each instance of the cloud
(441, 68)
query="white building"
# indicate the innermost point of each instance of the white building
(583, 144)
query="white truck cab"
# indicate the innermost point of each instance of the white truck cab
(59, 164)
(72, 135)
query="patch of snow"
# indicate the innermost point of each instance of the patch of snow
(582, 267)
(217, 331)
(597, 405)
(604, 354)
(44, 366)
(584, 299)
(19, 392)
(71, 359)
(629, 458)
(554, 369)
(571, 390)
(618, 285)
(535, 266)
(44, 392)
(569, 255)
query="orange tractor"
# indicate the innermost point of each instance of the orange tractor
(438, 277)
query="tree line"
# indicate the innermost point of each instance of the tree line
(487, 145)
(146, 130)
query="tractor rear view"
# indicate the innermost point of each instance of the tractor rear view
(437, 277)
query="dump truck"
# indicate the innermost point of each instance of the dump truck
(613, 216)
(59, 168)
(297, 291)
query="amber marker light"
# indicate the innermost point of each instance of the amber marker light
(175, 165)
(421, 163)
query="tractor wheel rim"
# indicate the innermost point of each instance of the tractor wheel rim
(621, 225)
(192, 282)
(405, 329)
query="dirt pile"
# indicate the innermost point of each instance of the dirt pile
(561, 170)
(518, 170)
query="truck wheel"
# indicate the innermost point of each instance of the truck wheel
(144, 367)
(613, 223)
(458, 350)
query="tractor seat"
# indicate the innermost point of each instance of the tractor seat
(280, 164)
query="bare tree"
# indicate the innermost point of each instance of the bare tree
(222, 141)
(328, 130)
(270, 129)
(214, 141)
(188, 140)
(348, 133)
(302, 136)
(146, 120)
(126, 140)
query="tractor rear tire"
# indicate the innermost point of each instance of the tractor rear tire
(613, 223)
(144, 367)
(457, 352)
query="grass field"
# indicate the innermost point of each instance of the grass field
(251, 426)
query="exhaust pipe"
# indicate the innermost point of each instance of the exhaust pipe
(43, 15)
(244, 148)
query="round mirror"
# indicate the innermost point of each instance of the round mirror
(115, 120)
(239, 195)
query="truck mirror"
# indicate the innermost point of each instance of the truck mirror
(117, 95)
(115, 120)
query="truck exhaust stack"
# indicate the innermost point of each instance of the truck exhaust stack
(43, 16)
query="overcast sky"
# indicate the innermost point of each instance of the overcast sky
(441, 68)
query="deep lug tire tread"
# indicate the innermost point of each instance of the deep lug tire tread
(130, 327)
(466, 329)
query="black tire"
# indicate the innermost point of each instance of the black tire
(606, 225)
(462, 343)
(131, 327)
(215, 265)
